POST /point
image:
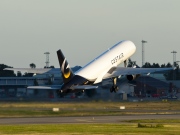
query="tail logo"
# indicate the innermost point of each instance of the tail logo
(65, 69)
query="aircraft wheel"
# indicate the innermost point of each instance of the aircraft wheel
(111, 89)
(116, 89)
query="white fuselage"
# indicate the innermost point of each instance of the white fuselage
(97, 68)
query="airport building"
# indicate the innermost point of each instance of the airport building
(147, 86)
(144, 86)
(11, 87)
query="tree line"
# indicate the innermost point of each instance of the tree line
(169, 75)
(8, 73)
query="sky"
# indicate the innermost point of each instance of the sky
(83, 29)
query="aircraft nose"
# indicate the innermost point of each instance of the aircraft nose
(133, 46)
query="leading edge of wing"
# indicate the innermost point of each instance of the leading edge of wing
(132, 71)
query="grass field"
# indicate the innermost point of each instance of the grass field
(87, 129)
(38, 109)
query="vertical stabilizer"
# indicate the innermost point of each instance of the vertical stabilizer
(67, 73)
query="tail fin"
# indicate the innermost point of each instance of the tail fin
(67, 73)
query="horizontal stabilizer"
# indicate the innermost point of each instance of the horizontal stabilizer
(84, 87)
(36, 70)
(56, 87)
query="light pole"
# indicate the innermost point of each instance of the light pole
(47, 59)
(174, 65)
(143, 42)
(174, 57)
(143, 51)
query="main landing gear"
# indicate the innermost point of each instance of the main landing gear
(114, 88)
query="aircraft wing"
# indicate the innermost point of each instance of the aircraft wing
(36, 70)
(118, 71)
(52, 87)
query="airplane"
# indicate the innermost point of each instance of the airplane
(103, 67)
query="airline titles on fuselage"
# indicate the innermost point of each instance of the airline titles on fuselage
(120, 56)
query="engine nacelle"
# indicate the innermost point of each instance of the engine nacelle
(132, 77)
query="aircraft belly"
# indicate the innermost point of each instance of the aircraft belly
(94, 71)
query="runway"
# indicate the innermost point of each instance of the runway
(85, 119)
